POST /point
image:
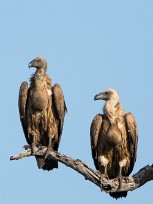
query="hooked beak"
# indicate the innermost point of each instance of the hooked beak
(99, 96)
(30, 65)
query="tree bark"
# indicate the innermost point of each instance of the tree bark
(109, 186)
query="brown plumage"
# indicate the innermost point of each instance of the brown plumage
(114, 138)
(42, 109)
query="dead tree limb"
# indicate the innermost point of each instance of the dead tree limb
(109, 186)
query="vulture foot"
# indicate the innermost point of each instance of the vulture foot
(104, 175)
(49, 148)
(120, 177)
(32, 136)
(120, 182)
(26, 147)
(103, 178)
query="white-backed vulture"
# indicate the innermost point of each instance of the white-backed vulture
(114, 138)
(42, 110)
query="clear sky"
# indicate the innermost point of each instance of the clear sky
(89, 46)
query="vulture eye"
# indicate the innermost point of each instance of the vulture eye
(38, 60)
(106, 93)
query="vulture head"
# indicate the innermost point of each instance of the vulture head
(39, 63)
(108, 95)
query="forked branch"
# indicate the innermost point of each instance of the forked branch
(128, 183)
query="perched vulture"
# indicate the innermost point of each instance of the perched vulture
(42, 109)
(114, 138)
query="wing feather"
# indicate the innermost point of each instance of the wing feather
(22, 102)
(132, 139)
(60, 108)
(94, 135)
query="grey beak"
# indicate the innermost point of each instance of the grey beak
(98, 96)
(30, 65)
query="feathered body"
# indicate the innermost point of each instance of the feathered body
(42, 109)
(114, 139)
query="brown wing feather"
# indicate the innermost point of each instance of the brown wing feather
(60, 109)
(132, 139)
(94, 134)
(22, 102)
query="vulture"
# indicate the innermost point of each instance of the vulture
(114, 138)
(42, 110)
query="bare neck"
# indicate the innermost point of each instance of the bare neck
(113, 110)
(39, 74)
(38, 79)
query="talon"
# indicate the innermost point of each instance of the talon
(103, 177)
(49, 149)
(46, 154)
(26, 147)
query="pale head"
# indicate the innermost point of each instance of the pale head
(108, 95)
(38, 63)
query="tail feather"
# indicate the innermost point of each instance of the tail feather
(117, 195)
(46, 164)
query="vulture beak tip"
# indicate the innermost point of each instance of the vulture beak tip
(98, 96)
(95, 97)
(29, 65)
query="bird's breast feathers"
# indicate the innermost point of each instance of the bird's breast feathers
(49, 92)
(39, 99)
(120, 125)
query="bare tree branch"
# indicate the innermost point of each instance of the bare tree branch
(128, 183)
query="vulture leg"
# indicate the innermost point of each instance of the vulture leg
(120, 177)
(104, 163)
(49, 147)
(33, 145)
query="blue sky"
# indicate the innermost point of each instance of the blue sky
(89, 46)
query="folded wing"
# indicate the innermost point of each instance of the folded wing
(132, 138)
(94, 135)
(22, 103)
(60, 109)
